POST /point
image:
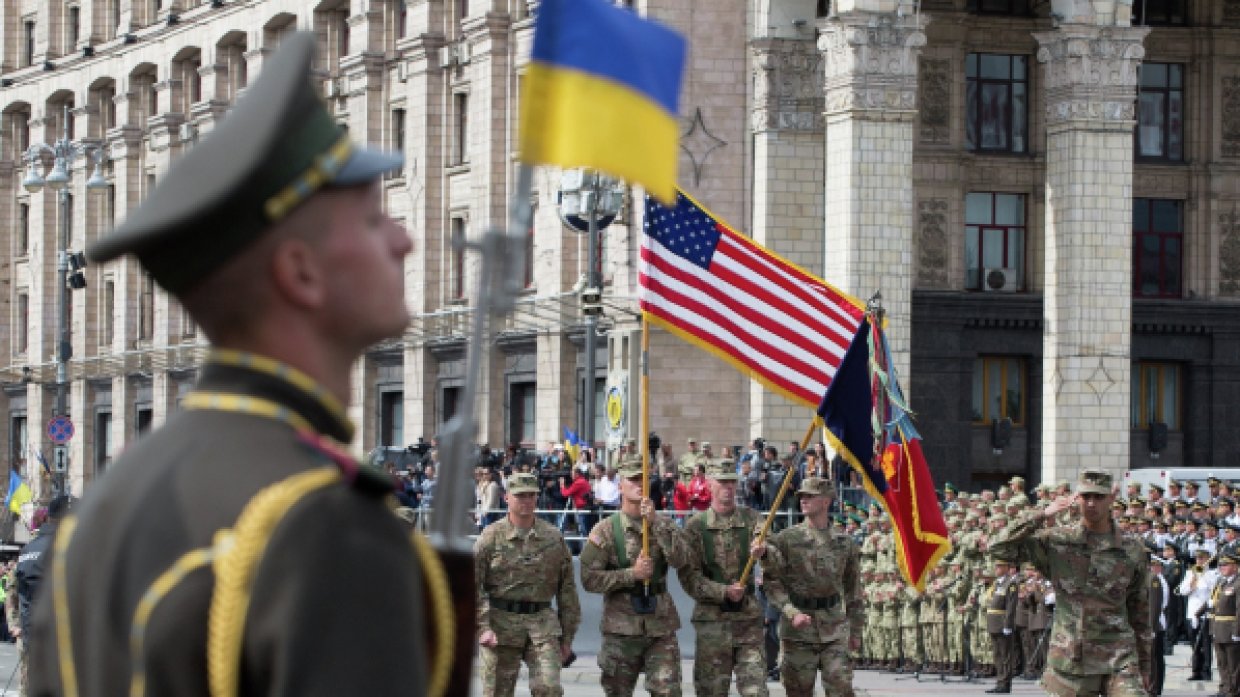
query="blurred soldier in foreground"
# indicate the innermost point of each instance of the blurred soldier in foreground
(727, 617)
(812, 575)
(639, 628)
(239, 545)
(1101, 637)
(1225, 627)
(521, 563)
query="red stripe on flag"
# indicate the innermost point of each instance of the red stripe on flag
(792, 388)
(829, 300)
(809, 324)
(792, 336)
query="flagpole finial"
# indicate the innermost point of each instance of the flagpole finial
(874, 306)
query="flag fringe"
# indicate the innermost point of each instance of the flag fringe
(944, 545)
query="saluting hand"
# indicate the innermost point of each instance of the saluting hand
(1060, 504)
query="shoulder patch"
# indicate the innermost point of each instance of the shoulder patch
(595, 539)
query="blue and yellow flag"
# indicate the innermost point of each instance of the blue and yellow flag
(19, 494)
(572, 444)
(602, 91)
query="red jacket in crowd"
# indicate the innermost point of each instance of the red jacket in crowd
(699, 493)
(578, 490)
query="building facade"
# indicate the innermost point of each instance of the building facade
(1045, 193)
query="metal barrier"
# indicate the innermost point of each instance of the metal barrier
(566, 519)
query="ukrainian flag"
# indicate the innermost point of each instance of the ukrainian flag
(19, 493)
(602, 91)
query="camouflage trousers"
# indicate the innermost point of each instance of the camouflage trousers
(1126, 683)
(622, 658)
(501, 665)
(22, 663)
(910, 644)
(888, 643)
(800, 662)
(934, 640)
(955, 642)
(724, 648)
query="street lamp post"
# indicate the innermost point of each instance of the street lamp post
(598, 198)
(63, 152)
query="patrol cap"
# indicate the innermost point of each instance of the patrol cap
(1173, 482)
(1191, 484)
(1157, 486)
(723, 470)
(705, 444)
(523, 483)
(1202, 552)
(277, 147)
(691, 440)
(1214, 481)
(816, 486)
(1229, 557)
(1016, 480)
(1094, 482)
(630, 467)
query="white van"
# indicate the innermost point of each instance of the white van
(1150, 475)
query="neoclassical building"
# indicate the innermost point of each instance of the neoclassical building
(1047, 195)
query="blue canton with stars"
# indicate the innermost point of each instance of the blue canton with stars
(686, 230)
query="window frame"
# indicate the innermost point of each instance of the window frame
(1140, 415)
(974, 115)
(1137, 239)
(1168, 126)
(984, 362)
(1007, 228)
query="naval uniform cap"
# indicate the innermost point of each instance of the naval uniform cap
(274, 150)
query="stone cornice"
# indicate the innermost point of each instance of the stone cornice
(870, 61)
(1091, 72)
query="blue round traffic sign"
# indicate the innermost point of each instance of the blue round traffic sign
(60, 429)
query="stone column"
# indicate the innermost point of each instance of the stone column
(1090, 77)
(787, 126)
(871, 94)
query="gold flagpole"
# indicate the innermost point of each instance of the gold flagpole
(779, 498)
(645, 431)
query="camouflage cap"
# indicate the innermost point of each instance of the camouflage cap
(1063, 484)
(1016, 480)
(630, 466)
(1094, 482)
(691, 440)
(705, 444)
(523, 483)
(723, 470)
(816, 486)
(1005, 490)
(1173, 482)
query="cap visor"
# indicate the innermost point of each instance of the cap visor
(367, 165)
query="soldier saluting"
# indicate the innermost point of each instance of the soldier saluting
(238, 549)
(1101, 637)
(639, 618)
(521, 564)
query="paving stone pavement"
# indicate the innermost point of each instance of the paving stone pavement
(582, 681)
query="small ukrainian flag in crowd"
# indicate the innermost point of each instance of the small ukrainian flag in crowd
(19, 493)
(602, 91)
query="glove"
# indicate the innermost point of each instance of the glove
(1007, 632)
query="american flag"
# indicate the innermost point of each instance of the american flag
(721, 291)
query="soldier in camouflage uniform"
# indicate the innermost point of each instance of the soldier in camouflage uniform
(1101, 636)
(812, 575)
(612, 563)
(687, 464)
(957, 594)
(727, 617)
(910, 631)
(521, 563)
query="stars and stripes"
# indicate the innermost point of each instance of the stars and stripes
(720, 290)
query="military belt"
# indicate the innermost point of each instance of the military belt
(656, 587)
(805, 603)
(520, 607)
